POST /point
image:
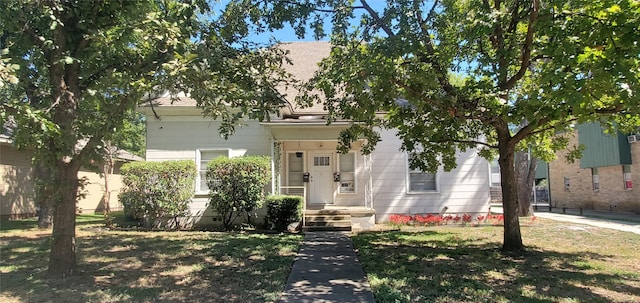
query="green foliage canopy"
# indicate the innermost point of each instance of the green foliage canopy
(72, 71)
(452, 75)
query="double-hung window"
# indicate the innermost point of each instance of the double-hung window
(420, 181)
(295, 173)
(203, 156)
(347, 169)
(626, 176)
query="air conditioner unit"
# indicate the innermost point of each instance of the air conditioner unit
(633, 138)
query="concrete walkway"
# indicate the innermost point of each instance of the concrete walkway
(628, 222)
(618, 221)
(327, 270)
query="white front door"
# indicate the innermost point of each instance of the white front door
(321, 178)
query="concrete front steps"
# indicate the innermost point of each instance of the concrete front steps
(338, 219)
(327, 220)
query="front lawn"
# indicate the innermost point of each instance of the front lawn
(564, 263)
(137, 266)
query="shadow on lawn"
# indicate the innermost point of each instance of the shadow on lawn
(152, 267)
(443, 267)
(32, 223)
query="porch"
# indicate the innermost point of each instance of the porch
(331, 217)
(336, 187)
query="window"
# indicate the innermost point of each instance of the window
(495, 173)
(203, 156)
(347, 169)
(626, 174)
(321, 161)
(595, 179)
(566, 184)
(295, 171)
(419, 181)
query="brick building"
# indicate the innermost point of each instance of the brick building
(604, 178)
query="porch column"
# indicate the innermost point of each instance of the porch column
(368, 188)
(276, 165)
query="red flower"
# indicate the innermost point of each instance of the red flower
(399, 219)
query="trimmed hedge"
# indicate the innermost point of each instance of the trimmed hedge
(284, 210)
(155, 192)
(237, 186)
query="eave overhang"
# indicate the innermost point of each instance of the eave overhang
(306, 130)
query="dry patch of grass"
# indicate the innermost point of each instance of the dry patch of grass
(564, 263)
(119, 266)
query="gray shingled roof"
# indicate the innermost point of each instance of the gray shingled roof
(304, 56)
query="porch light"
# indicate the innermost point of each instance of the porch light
(298, 153)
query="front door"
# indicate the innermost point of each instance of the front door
(321, 178)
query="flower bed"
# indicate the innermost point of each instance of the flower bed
(436, 220)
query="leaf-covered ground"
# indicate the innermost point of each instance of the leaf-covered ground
(135, 266)
(564, 263)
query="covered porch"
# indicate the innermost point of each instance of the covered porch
(336, 187)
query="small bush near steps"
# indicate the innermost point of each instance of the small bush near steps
(283, 210)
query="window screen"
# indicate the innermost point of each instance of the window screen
(420, 181)
(347, 173)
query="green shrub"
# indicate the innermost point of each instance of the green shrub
(284, 210)
(155, 192)
(237, 186)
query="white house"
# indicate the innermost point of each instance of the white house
(305, 160)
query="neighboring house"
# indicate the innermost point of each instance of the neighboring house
(305, 161)
(17, 186)
(603, 179)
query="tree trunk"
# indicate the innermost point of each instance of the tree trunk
(108, 171)
(525, 174)
(62, 258)
(43, 195)
(512, 235)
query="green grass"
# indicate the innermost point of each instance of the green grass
(563, 263)
(137, 266)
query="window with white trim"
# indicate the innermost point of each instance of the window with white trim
(595, 179)
(295, 172)
(420, 181)
(347, 169)
(203, 156)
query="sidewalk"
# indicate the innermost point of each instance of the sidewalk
(327, 270)
(618, 221)
(628, 222)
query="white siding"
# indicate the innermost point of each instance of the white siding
(178, 138)
(462, 190)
